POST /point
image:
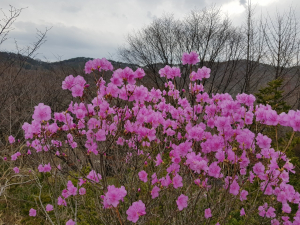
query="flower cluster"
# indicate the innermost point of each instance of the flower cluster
(204, 143)
(191, 58)
(169, 72)
(113, 196)
(97, 64)
(126, 76)
(74, 84)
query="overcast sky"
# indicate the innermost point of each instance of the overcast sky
(96, 28)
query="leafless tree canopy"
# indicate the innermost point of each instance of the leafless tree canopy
(242, 59)
(18, 86)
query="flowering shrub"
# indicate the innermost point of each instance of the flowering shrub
(125, 154)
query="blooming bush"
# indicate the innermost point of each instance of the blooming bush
(125, 154)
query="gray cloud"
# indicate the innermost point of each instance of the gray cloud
(66, 41)
(151, 16)
(243, 2)
(70, 8)
(96, 28)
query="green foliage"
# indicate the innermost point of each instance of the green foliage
(273, 96)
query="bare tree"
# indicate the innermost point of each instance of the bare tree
(242, 59)
(165, 40)
(13, 87)
(218, 45)
(253, 50)
(281, 39)
(7, 21)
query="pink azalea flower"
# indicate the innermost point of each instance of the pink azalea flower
(82, 191)
(16, 169)
(234, 188)
(143, 176)
(270, 213)
(197, 182)
(114, 195)
(275, 222)
(100, 135)
(94, 177)
(72, 190)
(41, 112)
(271, 118)
(259, 168)
(32, 212)
(136, 210)
(78, 86)
(204, 72)
(15, 156)
(61, 201)
(120, 141)
(242, 212)
(286, 208)
(65, 193)
(282, 196)
(47, 168)
(41, 168)
(70, 222)
(214, 170)
(154, 179)
(88, 68)
(165, 181)
(116, 78)
(139, 73)
(49, 208)
(158, 160)
(99, 64)
(289, 166)
(191, 58)
(245, 99)
(243, 195)
(169, 72)
(263, 141)
(173, 168)
(11, 139)
(177, 181)
(182, 202)
(70, 184)
(81, 182)
(207, 213)
(68, 83)
(77, 91)
(286, 220)
(262, 211)
(155, 192)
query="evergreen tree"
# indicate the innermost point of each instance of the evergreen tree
(273, 96)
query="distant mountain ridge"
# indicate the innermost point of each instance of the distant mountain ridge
(73, 62)
(263, 74)
(223, 79)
